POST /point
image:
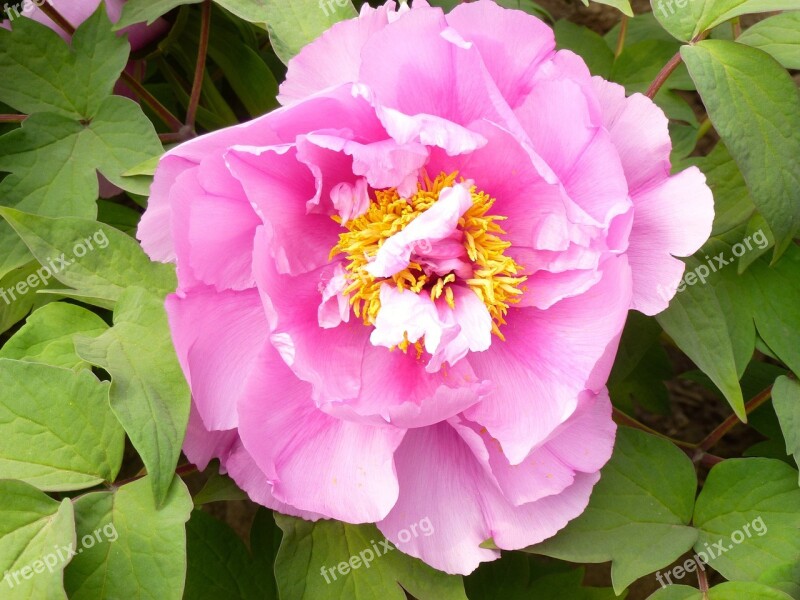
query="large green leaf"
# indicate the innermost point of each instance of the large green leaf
(712, 328)
(624, 6)
(37, 535)
(138, 550)
(47, 335)
(778, 36)
(41, 73)
(95, 259)
(17, 289)
(786, 399)
(138, 11)
(588, 44)
(292, 25)
(57, 429)
(725, 591)
(310, 550)
(220, 565)
(149, 394)
(646, 492)
(748, 515)
(686, 19)
(755, 107)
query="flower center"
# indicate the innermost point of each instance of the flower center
(473, 255)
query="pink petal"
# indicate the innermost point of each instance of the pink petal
(511, 43)
(217, 336)
(671, 219)
(548, 359)
(315, 462)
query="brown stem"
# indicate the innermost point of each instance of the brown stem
(202, 53)
(662, 77)
(622, 419)
(12, 118)
(723, 428)
(57, 18)
(702, 579)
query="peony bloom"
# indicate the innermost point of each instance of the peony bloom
(77, 11)
(401, 293)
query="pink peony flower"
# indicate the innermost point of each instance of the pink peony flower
(401, 293)
(77, 11)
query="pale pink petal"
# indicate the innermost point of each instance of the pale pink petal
(334, 58)
(406, 314)
(549, 358)
(468, 328)
(201, 446)
(315, 462)
(511, 43)
(219, 356)
(671, 219)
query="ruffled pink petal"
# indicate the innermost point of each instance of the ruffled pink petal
(279, 187)
(468, 328)
(671, 219)
(512, 44)
(436, 463)
(436, 223)
(439, 74)
(201, 446)
(396, 389)
(315, 462)
(334, 58)
(404, 313)
(217, 337)
(245, 472)
(330, 359)
(548, 359)
(639, 130)
(213, 235)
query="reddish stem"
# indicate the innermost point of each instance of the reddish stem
(202, 53)
(723, 428)
(662, 77)
(12, 118)
(622, 419)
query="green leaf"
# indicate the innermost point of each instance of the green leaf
(292, 25)
(646, 492)
(57, 429)
(53, 160)
(254, 11)
(41, 73)
(138, 550)
(95, 259)
(712, 329)
(517, 576)
(311, 549)
(778, 36)
(786, 400)
(220, 565)
(748, 515)
(735, 83)
(528, 6)
(17, 295)
(588, 44)
(149, 394)
(35, 535)
(624, 6)
(686, 19)
(47, 336)
(139, 11)
(219, 488)
(725, 591)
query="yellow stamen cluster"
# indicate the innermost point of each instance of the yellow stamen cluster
(495, 277)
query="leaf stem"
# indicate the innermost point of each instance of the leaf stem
(202, 53)
(12, 118)
(57, 18)
(623, 32)
(723, 428)
(622, 419)
(663, 75)
(181, 471)
(702, 580)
